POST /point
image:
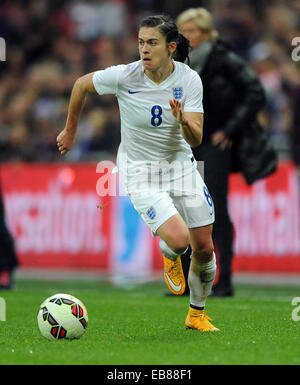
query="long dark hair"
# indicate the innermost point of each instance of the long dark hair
(168, 28)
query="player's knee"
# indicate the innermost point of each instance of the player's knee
(179, 242)
(204, 253)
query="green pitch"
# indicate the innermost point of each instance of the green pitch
(142, 326)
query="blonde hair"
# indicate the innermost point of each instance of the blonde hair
(202, 18)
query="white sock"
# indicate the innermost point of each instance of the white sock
(201, 278)
(167, 252)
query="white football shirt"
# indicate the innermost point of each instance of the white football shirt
(149, 131)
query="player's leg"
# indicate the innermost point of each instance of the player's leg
(201, 277)
(174, 241)
(217, 169)
(197, 210)
(175, 235)
(203, 265)
(158, 211)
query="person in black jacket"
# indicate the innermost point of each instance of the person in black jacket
(8, 257)
(232, 97)
(295, 134)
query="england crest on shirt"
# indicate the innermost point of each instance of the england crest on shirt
(178, 92)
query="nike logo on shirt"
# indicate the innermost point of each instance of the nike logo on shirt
(133, 92)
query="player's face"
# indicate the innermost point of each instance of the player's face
(153, 48)
(193, 33)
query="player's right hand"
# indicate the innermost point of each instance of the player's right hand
(177, 110)
(65, 141)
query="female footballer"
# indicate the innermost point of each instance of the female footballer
(160, 102)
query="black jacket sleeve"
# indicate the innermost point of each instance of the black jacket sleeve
(251, 94)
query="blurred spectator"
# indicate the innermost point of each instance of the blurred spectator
(232, 98)
(94, 19)
(8, 257)
(277, 113)
(296, 130)
(50, 43)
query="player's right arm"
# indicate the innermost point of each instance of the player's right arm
(66, 139)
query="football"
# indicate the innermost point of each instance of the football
(62, 316)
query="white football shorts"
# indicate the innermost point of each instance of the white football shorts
(193, 202)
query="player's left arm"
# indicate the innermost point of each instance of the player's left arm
(191, 123)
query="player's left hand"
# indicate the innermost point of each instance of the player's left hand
(177, 110)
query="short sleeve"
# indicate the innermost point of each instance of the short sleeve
(194, 96)
(106, 81)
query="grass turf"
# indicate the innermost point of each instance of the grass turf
(143, 327)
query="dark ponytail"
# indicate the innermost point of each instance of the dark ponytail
(182, 50)
(169, 29)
